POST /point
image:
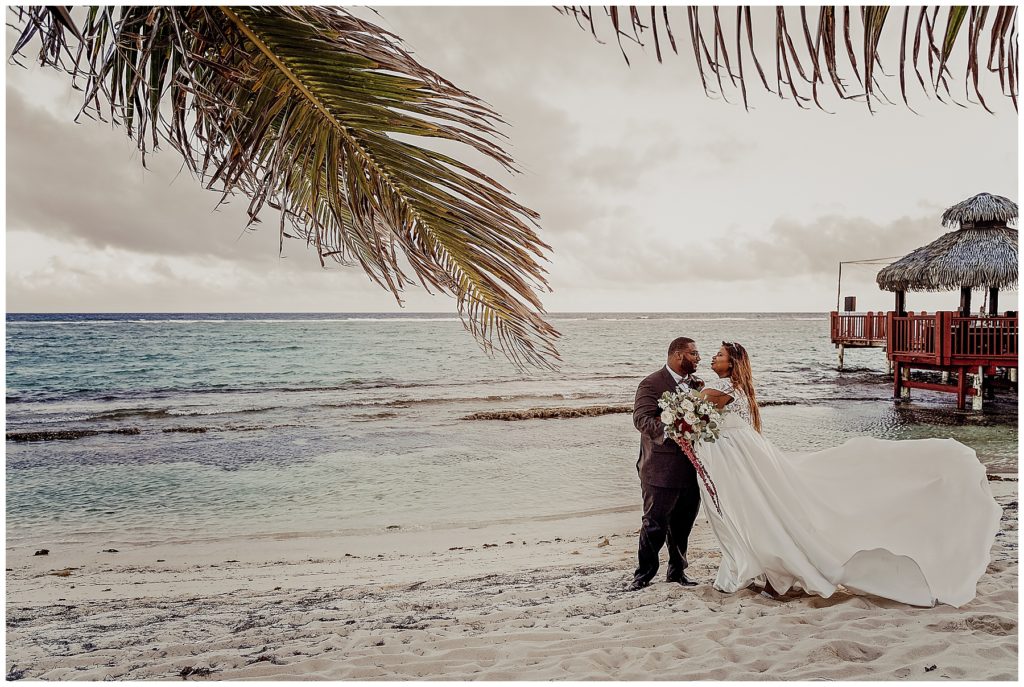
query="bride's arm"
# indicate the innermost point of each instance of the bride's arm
(719, 398)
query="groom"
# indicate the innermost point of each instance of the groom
(668, 481)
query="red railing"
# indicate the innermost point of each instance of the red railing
(946, 338)
(848, 328)
(991, 338)
(914, 335)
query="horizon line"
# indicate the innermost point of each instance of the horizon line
(385, 312)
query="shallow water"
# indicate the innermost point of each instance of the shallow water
(300, 423)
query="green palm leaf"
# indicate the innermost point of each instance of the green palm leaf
(309, 110)
(820, 47)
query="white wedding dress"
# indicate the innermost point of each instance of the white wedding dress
(911, 521)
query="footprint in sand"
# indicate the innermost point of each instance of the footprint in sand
(990, 624)
(706, 592)
(853, 652)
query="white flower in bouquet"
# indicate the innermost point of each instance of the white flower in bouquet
(689, 417)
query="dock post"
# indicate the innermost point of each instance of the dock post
(905, 374)
(979, 385)
(1012, 372)
(945, 376)
(842, 350)
(961, 389)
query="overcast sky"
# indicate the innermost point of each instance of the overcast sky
(652, 196)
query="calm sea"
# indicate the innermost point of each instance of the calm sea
(229, 424)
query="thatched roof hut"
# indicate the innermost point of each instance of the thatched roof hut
(980, 253)
(983, 209)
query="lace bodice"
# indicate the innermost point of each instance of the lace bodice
(740, 405)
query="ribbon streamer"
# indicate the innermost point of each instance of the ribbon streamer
(702, 473)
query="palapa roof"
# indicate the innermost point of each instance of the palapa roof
(981, 253)
(983, 208)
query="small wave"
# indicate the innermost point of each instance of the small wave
(866, 397)
(715, 319)
(160, 413)
(205, 412)
(494, 397)
(409, 402)
(385, 383)
(555, 412)
(817, 400)
(39, 397)
(386, 415)
(399, 319)
(121, 413)
(357, 404)
(549, 413)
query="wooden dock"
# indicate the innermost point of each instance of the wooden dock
(945, 341)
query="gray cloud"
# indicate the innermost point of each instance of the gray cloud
(86, 181)
(788, 249)
(68, 275)
(728, 152)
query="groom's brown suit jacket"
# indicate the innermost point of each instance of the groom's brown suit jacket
(661, 463)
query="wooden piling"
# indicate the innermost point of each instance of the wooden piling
(977, 403)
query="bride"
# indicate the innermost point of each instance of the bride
(911, 521)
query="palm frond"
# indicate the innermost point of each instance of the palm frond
(309, 110)
(790, 60)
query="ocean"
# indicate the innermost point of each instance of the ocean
(201, 426)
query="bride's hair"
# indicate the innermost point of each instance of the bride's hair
(743, 378)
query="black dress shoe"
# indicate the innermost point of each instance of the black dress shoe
(683, 580)
(637, 585)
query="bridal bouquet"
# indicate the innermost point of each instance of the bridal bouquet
(690, 419)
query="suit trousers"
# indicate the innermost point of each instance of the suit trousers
(669, 514)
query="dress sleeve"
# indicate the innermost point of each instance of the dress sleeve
(722, 384)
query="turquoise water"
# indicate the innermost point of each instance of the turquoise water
(325, 422)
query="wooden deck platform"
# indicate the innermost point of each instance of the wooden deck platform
(946, 341)
(867, 330)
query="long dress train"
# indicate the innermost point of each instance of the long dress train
(912, 521)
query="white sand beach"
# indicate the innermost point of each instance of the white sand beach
(512, 600)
